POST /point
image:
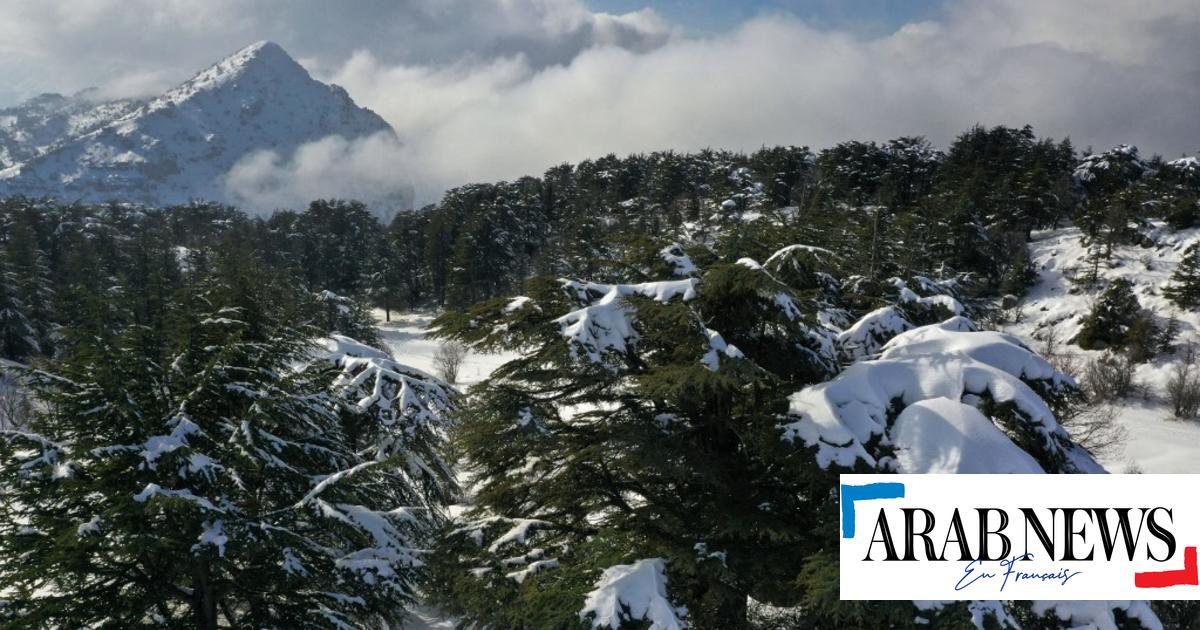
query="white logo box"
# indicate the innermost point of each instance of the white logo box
(1157, 508)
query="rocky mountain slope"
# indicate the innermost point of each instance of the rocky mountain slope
(42, 123)
(179, 146)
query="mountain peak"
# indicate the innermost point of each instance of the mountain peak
(262, 61)
(262, 51)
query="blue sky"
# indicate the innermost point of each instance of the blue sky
(866, 17)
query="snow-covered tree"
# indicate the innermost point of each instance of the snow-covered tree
(400, 412)
(641, 424)
(985, 380)
(347, 316)
(220, 481)
(988, 407)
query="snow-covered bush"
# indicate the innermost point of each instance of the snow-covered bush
(933, 303)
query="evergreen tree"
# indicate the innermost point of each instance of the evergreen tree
(209, 482)
(400, 279)
(1021, 274)
(651, 431)
(1178, 615)
(1182, 211)
(32, 282)
(18, 336)
(39, 295)
(1184, 289)
(347, 316)
(1116, 320)
(340, 242)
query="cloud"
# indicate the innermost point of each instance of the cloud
(76, 43)
(367, 169)
(1103, 72)
(136, 85)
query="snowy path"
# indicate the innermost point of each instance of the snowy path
(405, 336)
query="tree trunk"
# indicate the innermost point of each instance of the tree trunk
(204, 600)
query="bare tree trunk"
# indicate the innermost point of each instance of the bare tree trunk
(204, 604)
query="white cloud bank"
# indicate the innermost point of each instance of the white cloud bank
(66, 45)
(1101, 71)
(368, 169)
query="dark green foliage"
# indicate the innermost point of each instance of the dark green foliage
(1178, 615)
(663, 445)
(346, 316)
(1021, 275)
(169, 478)
(822, 606)
(399, 281)
(1007, 176)
(1183, 212)
(1184, 289)
(1117, 321)
(894, 175)
(18, 335)
(340, 242)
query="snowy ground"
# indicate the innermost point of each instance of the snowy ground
(1156, 443)
(405, 336)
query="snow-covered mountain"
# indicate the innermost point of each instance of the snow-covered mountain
(179, 146)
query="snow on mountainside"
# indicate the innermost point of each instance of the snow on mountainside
(1156, 443)
(180, 146)
(46, 121)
